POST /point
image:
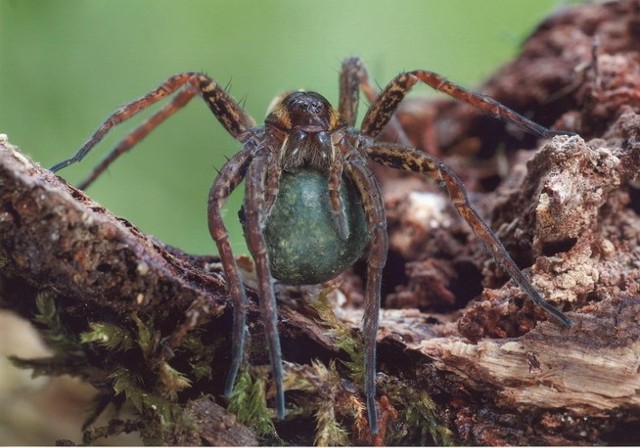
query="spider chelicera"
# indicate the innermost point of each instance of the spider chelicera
(304, 132)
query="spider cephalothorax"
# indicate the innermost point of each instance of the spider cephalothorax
(304, 132)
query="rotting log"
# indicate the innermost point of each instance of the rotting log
(463, 356)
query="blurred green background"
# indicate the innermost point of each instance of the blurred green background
(65, 65)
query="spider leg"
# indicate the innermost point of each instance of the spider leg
(382, 110)
(137, 135)
(254, 208)
(228, 112)
(228, 179)
(409, 159)
(354, 77)
(335, 181)
(371, 195)
(352, 74)
(272, 185)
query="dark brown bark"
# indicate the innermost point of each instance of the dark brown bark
(100, 268)
(466, 357)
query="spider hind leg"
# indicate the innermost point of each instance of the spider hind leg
(409, 159)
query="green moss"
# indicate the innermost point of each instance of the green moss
(421, 415)
(418, 422)
(108, 335)
(114, 428)
(172, 381)
(317, 390)
(328, 398)
(249, 403)
(128, 362)
(68, 356)
(202, 354)
(135, 371)
(153, 388)
(345, 338)
(54, 332)
(148, 336)
(418, 419)
(147, 382)
(50, 366)
(124, 381)
(329, 432)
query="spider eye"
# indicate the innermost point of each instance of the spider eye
(307, 111)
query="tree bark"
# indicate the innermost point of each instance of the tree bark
(465, 357)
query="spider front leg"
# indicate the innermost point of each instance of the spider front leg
(228, 112)
(137, 135)
(409, 159)
(382, 110)
(353, 78)
(228, 179)
(254, 212)
(377, 225)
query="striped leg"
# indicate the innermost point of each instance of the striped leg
(371, 195)
(228, 179)
(408, 159)
(382, 110)
(254, 208)
(137, 135)
(353, 78)
(228, 112)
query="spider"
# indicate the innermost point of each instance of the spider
(303, 131)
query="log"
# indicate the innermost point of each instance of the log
(463, 356)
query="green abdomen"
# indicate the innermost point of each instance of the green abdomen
(302, 236)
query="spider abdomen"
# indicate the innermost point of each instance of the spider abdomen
(304, 244)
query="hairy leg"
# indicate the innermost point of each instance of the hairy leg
(228, 179)
(371, 195)
(382, 110)
(137, 135)
(409, 159)
(254, 209)
(353, 78)
(228, 112)
(337, 206)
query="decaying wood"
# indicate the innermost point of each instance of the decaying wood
(53, 238)
(465, 357)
